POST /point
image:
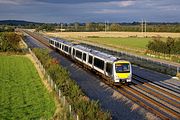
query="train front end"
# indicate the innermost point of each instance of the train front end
(122, 71)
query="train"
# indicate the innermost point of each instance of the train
(113, 69)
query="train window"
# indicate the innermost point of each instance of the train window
(69, 50)
(109, 67)
(84, 56)
(78, 54)
(90, 59)
(66, 48)
(59, 45)
(53, 42)
(62, 47)
(99, 63)
(73, 51)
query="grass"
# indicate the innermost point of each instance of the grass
(22, 94)
(128, 42)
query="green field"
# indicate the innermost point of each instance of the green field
(125, 42)
(22, 94)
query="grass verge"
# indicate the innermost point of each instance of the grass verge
(23, 95)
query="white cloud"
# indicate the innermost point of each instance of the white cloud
(17, 2)
(110, 11)
(120, 3)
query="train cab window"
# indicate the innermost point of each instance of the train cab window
(90, 59)
(78, 54)
(99, 63)
(66, 48)
(73, 51)
(122, 67)
(69, 50)
(109, 68)
(84, 56)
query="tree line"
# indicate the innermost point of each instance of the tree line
(95, 27)
(169, 46)
(100, 26)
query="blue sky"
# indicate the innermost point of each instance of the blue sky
(90, 10)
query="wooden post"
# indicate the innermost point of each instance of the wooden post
(70, 109)
(59, 93)
(64, 102)
(77, 117)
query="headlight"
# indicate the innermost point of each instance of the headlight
(128, 80)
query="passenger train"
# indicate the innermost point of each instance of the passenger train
(113, 69)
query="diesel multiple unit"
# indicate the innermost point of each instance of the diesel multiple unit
(110, 67)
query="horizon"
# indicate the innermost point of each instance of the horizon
(82, 11)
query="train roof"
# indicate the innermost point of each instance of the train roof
(62, 41)
(97, 53)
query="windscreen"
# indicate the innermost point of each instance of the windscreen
(122, 67)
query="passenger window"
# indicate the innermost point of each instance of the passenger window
(99, 63)
(109, 67)
(90, 59)
(73, 51)
(69, 50)
(66, 48)
(62, 47)
(84, 56)
(78, 54)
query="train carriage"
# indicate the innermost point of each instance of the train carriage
(116, 69)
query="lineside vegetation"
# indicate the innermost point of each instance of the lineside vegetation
(85, 108)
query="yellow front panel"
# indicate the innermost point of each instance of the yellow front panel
(123, 75)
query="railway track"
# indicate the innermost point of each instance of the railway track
(141, 98)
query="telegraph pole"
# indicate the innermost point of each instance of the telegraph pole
(145, 27)
(142, 28)
(105, 26)
(61, 26)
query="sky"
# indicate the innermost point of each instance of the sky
(57, 11)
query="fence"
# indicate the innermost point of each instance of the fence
(138, 60)
(52, 84)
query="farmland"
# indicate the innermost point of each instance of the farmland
(132, 40)
(22, 94)
(112, 34)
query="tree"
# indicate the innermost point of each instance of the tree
(170, 44)
(9, 41)
(115, 27)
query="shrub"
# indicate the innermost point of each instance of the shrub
(9, 41)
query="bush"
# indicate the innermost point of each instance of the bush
(9, 41)
(170, 46)
(86, 109)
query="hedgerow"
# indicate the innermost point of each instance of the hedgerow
(85, 108)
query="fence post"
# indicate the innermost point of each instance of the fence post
(55, 87)
(48, 78)
(64, 102)
(177, 70)
(77, 117)
(59, 93)
(51, 83)
(70, 109)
